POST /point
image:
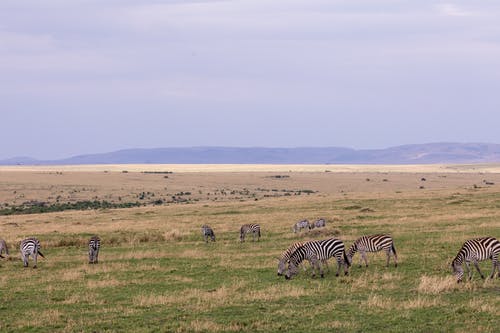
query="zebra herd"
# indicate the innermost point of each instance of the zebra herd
(322, 250)
(473, 250)
(253, 229)
(316, 252)
(30, 247)
(305, 224)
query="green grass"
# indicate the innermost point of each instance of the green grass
(158, 280)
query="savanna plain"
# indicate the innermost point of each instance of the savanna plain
(157, 274)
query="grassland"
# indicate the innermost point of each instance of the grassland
(157, 275)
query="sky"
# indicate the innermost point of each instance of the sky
(79, 77)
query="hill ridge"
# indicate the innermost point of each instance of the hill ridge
(430, 153)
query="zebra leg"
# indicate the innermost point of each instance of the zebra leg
(494, 268)
(388, 253)
(346, 268)
(469, 271)
(478, 270)
(393, 251)
(313, 267)
(316, 265)
(339, 263)
(35, 257)
(25, 260)
(96, 256)
(360, 260)
(363, 255)
(321, 273)
(325, 262)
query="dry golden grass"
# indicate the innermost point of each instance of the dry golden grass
(435, 285)
(378, 301)
(421, 302)
(154, 262)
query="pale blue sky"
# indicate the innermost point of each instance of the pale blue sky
(95, 76)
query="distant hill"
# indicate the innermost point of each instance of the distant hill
(408, 154)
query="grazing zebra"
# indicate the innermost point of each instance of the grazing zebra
(247, 228)
(476, 250)
(3, 247)
(314, 251)
(285, 257)
(303, 224)
(207, 232)
(373, 243)
(30, 247)
(94, 245)
(319, 223)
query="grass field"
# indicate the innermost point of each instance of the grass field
(156, 274)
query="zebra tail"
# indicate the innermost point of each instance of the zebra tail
(393, 249)
(41, 254)
(346, 260)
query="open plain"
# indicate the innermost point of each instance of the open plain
(156, 274)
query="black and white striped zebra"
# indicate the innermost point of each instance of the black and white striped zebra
(475, 250)
(207, 232)
(314, 251)
(319, 223)
(3, 248)
(303, 224)
(94, 246)
(30, 247)
(285, 257)
(249, 228)
(373, 243)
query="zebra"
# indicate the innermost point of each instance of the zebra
(3, 247)
(247, 228)
(207, 232)
(373, 243)
(94, 245)
(303, 224)
(314, 251)
(285, 257)
(476, 250)
(318, 224)
(30, 247)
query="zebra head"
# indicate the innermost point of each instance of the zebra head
(292, 270)
(350, 253)
(281, 267)
(294, 262)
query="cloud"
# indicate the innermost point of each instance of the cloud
(449, 9)
(339, 57)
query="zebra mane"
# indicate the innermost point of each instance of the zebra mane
(459, 258)
(288, 253)
(353, 248)
(298, 255)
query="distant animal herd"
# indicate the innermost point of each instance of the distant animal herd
(316, 252)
